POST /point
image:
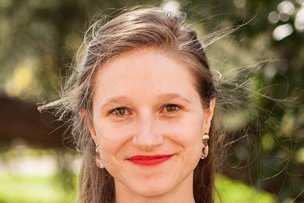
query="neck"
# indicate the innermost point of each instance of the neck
(182, 193)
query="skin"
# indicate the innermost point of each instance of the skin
(145, 103)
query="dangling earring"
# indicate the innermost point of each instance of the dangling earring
(97, 157)
(205, 149)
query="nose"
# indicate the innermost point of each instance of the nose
(147, 137)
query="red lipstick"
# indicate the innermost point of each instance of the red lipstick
(149, 160)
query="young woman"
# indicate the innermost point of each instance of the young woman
(142, 104)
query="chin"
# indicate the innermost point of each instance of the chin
(147, 187)
(155, 190)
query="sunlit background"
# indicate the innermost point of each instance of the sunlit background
(260, 66)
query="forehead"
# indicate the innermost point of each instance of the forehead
(143, 71)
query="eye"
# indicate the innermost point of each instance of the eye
(120, 111)
(171, 108)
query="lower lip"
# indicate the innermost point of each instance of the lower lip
(149, 161)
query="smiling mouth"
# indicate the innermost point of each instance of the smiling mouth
(149, 160)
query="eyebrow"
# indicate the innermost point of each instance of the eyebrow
(115, 100)
(169, 96)
(166, 96)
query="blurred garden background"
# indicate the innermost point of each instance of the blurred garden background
(265, 55)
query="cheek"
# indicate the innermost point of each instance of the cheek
(111, 137)
(186, 132)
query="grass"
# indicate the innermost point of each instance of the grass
(32, 190)
(15, 189)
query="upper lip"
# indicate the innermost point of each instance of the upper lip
(144, 157)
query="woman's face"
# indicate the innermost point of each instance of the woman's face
(149, 122)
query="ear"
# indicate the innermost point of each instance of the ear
(208, 116)
(84, 116)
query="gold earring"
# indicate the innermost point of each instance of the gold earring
(205, 148)
(97, 157)
(97, 148)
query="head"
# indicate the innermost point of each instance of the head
(167, 45)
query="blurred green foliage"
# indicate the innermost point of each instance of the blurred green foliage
(237, 192)
(38, 175)
(39, 38)
(14, 189)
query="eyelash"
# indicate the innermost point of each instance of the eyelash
(173, 105)
(120, 108)
(164, 108)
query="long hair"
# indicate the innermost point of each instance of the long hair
(167, 31)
